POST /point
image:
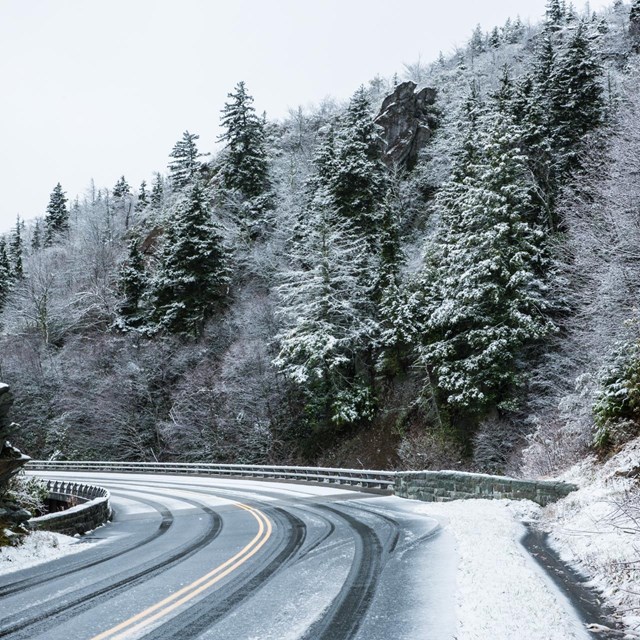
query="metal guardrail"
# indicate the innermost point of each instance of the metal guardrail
(353, 477)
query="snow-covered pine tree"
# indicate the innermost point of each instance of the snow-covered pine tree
(142, 201)
(578, 104)
(325, 307)
(121, 188)
(244, 163)
(634, 25)
(56, 219)
(157, 192)
(192, 281)
(555, 13)
(36, 237)
(5, 273)
(495, 39)
(15, 251)
(477, 44)
(483, 291)
(184, 169)
(389, 294)
(132, 285)
(356, 176)
(558, 103)
(122, 200)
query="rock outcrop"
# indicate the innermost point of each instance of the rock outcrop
(10, 458)
(408, 119)
(6, 400)
(12, 516)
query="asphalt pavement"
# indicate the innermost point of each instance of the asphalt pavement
(197, 557)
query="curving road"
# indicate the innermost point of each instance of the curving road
(240, 560)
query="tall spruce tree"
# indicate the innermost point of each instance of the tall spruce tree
(634, 25)
(184, 169)
(326, 311)
(132, 285)
(559, 103)
(121, 188)
(122, 200)
(36, 237)
(15, 251)
(157, 192)
(192, 281)
(244, 165)
(555, 14)
(484, 295)
(142, 202)
(56, 219)
(578, 104)
(356, 176)
(5, 273)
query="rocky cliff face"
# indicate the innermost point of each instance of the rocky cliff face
(6, 401)
(408, 119)
(12, 516)
(11, 460)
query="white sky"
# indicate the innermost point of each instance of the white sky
(100, 88)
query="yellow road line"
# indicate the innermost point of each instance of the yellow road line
(175, 600)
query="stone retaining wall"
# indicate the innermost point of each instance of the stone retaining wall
(88, 508)
(443, 486)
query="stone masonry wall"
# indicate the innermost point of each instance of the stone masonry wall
(84, 513)
(443, 486)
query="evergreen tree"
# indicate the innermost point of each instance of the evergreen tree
(326, 310)
(483, 295)
(143, 197)
(505, 95)
(494, 38)
(356, 175)
(36, 237)
(245, 164)
(122, 200)
(634, 25)
(192, 281)
(5, 273)
(559, 102)
(56, 219)
(132, 285)
(185, 167)
(157, 192)
(121, 188)
(15, 251)
(477, 42)
(578, 104)
(555, 14)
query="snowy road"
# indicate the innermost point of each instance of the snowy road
(215, 558)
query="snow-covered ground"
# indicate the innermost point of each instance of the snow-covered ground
(597, 529)
(502, 593)
(39, 546)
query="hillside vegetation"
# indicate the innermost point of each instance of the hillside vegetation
(305, 295)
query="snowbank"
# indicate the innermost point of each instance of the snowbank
(597, 529)
(39, 547)
(502, 593)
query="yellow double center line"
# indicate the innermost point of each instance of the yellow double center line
(134, 624)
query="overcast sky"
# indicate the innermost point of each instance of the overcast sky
(100, 88)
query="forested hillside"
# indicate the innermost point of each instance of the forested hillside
(451, 283)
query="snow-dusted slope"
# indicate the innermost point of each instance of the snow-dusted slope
(597, 529)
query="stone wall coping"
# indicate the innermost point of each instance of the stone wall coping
(448, 473)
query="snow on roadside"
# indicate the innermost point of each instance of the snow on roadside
(39, 547)
(502, 594)
(597, 529)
